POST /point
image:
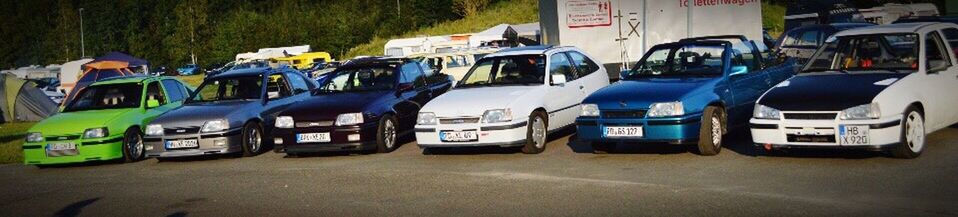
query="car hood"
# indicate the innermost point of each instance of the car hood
(327, 106)
(195, 114)
(69, 123)
(828, 91)
(641, 93)
(475, 101)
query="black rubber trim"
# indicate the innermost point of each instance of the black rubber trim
(108, 141)
(223, 134)
(32, 146)
(568, 107)
(587, 123)
(500, 144)
(152, 139)
(506, 127)
(885, 125)
(764, 126)
(425, 130)
(671, 122)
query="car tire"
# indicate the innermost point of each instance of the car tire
(913, 135)
(386, 134)
(537, 133)
(133, 147)
(603, 147)
(252, 137)
(712, 131)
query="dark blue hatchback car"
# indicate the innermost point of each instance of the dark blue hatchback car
(689, 91)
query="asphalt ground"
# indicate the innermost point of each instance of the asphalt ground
(565, 180)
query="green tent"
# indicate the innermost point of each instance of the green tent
(22, 101)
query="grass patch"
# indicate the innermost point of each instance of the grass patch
(511, 12)
(773, 18)
(192, 80)
(11, 141)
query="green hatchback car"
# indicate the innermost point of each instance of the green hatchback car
(104, 122)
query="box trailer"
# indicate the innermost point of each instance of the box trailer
(618, 32)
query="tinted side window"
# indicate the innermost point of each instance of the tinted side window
(298, 83)
(935, 54)
(561, 68)
(276, 87)
(584, 66)
(153, 92)
(951, 35)
(744, 53)
(173, 89)
(411, 73)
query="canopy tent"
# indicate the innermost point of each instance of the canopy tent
(122, 57)
(69, 74)
(501, 32)
(21, 101)
(98, 70)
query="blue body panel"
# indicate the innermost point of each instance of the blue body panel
(736, 94)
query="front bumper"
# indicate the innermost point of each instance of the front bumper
(791, 133)
(508, 134)
(86, 150)
(226, 142)
(364, 138)
(677, 130)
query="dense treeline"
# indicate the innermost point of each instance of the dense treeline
(48, 31)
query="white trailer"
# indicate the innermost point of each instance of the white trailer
(618, 32)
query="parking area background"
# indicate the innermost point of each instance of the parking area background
(565, 180)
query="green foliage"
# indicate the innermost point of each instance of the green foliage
(773, 18)
(166, 31)
(512, 12)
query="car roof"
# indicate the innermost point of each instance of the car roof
(538, 49)
(245, 72)
(886, 29)
(374, 61)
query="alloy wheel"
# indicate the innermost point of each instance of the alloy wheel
(716, 132)
(539, 132)
(915, 132)
(389, 134)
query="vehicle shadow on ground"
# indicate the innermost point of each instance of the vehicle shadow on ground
(400, 142)
(738, 141)
(496, 150)
(75, 208)
(82, 164)
(203, 157)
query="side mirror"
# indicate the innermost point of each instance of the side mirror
(937, 66)
(152, 103)
(558, 79)
(738, 70)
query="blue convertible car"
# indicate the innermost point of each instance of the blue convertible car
(684, 92)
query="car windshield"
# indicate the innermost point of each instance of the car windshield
(229, 88)
(506, 70)
(361, 79)
(110, 96)
(685, 60)
(895, 52)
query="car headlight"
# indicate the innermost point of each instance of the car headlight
(497, 115)
(34, 137)
(589, 110)
(666, 109)
(215, 126)
(284, 122)
(765, 112)
(867, 111)
(154, 130)
(426, 118)
(349, 119)
(93, 133)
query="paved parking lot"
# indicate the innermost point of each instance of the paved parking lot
(566, 180)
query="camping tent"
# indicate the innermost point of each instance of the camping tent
(21, 101)
(98, 70)
(499, 33)
(69, 74)
(133, 62)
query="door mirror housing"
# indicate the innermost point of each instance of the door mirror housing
(937, 66)
(738, 70)
(152, 103)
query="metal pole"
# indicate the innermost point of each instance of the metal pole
(398, 10)
(82, 46)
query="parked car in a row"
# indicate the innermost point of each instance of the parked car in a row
(881, 88)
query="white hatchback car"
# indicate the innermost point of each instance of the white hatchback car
(881, 87)
(514, 97)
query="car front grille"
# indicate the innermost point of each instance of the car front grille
(465, 120)
(62, 137)
(810, 116)
(181, 130)
(811, 138)
(623, 114)
(307, 124)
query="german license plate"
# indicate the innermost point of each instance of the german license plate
(853, 134)
(186, 143)
(62, 149)
(614, 132)
(312, 137)
(458, 136)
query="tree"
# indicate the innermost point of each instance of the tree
(469, 7)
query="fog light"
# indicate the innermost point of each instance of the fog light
(220, 143)
(353, 137)
(278, 141)
(148, 147)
